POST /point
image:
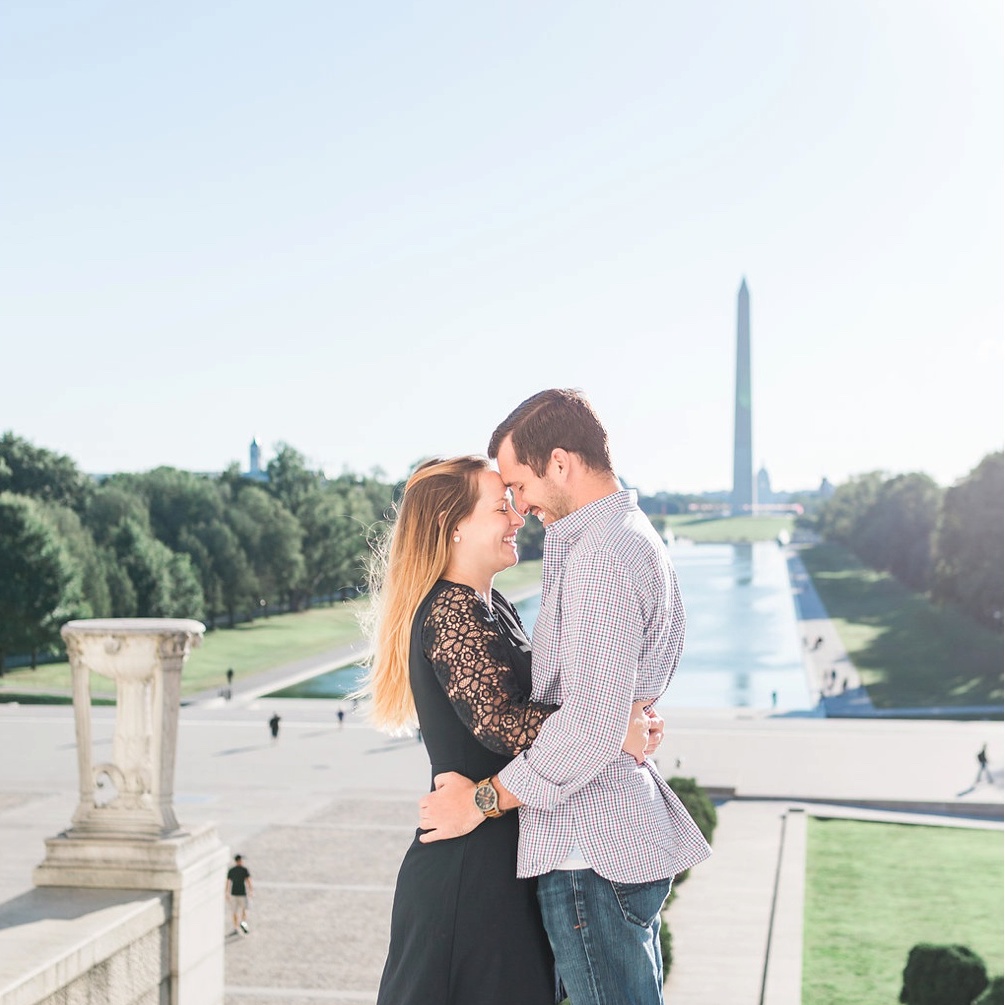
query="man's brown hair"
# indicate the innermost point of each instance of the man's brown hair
(558, 417)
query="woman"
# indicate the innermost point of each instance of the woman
(450, 652)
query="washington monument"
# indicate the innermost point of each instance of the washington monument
(743, 455)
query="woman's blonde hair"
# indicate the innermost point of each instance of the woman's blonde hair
(415, 553)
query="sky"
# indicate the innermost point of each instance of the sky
(370, 230)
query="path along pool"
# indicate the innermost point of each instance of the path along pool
(743, 644)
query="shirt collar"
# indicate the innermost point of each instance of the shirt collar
(571, 526)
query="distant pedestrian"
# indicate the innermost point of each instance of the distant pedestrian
(230, 676)
(238, 889)
(982, 762)
(341, 718)
(774, 699)
(274, 726)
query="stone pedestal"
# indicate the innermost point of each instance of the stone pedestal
(124, 834)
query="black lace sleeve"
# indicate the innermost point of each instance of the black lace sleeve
(469, 660)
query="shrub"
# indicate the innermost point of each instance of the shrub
(666, 947)
(697, 803)
(942, 975)
(700, 808)
(702, 811)
(993, 994)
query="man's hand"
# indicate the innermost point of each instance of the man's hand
(450, 811)
(637, 736)
(645, 732)
(656, 727)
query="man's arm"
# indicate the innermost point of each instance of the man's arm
(603, 626)
(450, 810)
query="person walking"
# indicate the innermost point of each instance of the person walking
(274, 727)
(238, 890)
(982, 765)
(603, 835)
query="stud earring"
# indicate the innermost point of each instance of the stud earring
(457, 539)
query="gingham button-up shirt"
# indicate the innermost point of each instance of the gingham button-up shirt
(610, 632)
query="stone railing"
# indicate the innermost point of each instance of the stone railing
(82, 928)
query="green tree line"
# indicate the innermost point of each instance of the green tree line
(170, 543)
(947, 543)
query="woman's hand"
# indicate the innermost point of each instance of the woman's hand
(645, 731)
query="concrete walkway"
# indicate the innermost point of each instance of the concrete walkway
(324, 815)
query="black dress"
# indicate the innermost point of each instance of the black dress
(464, 929)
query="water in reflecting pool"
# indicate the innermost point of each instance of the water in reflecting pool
(743, 641)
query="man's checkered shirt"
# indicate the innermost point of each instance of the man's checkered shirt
(610, 632)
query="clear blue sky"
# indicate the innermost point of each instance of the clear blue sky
(371, 229)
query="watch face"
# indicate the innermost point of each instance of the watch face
(486, 798)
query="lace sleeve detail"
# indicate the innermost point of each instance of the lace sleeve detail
(469, 660)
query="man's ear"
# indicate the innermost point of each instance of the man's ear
(560, 463)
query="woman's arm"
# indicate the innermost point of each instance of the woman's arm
(469, 660)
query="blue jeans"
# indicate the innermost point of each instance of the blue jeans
(605, 936)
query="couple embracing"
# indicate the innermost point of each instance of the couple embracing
(549, 841)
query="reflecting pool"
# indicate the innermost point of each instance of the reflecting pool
(743, 641)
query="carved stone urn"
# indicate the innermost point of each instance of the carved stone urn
(132, 794)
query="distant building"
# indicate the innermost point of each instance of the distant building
(255, 473)
(764, 493)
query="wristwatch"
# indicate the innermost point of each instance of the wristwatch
(487, 799)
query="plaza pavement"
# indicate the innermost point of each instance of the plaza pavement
(324, 814)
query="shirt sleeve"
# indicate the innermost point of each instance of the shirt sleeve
(603, 624)
(468, 657)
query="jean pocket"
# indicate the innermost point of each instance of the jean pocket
(641, 902)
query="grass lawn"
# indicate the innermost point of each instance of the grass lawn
(729, 528)
(248, 648)
(521, 577)
(875, 890)
(908, 652)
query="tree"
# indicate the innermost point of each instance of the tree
(894, 534)
(839, 517)
(110, 504)
(335, 522)
(80, 545)
(970, 545)
(230, 575)
(271, 538)
(530, 539)
(290, 480)
(41, 474)
(40, 586)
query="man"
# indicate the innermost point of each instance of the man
(604, 836)
(982, 765)
(239, 890)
